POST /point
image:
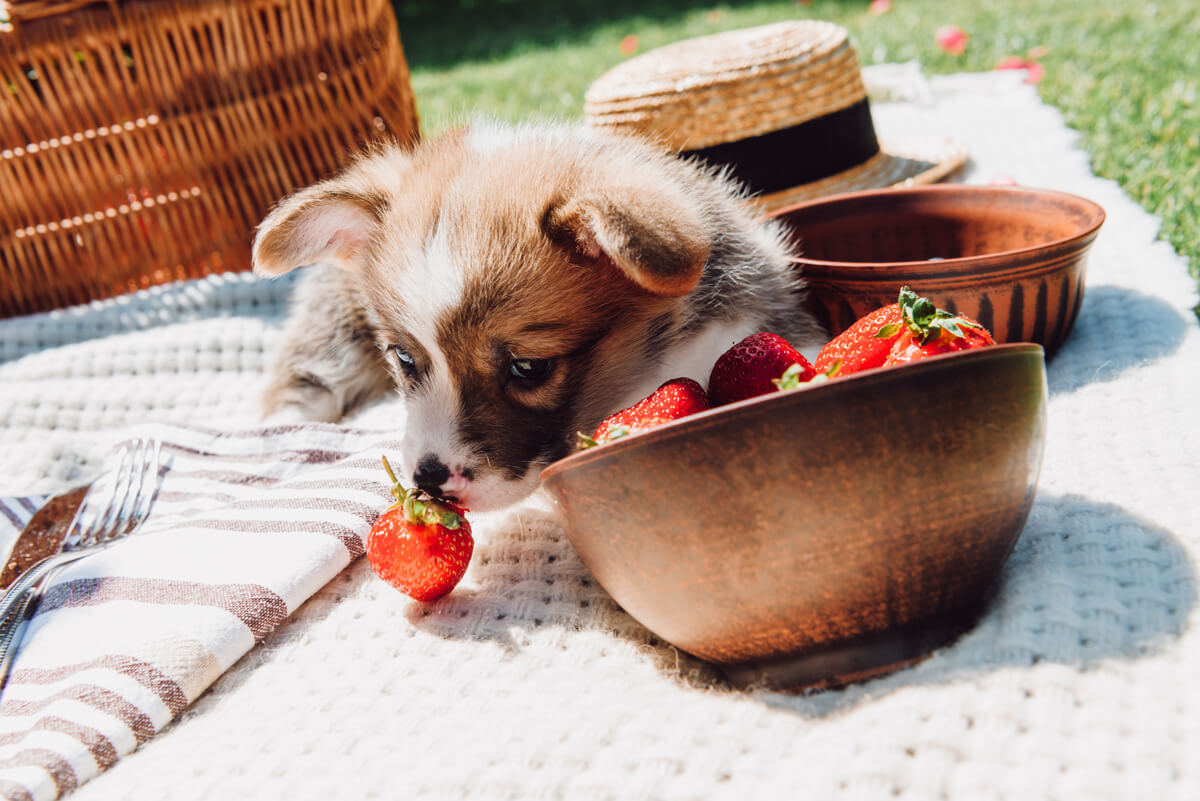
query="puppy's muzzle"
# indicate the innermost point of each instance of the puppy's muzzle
(431, 474)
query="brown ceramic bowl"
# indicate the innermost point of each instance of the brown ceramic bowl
(1012, 258)
(822, 535)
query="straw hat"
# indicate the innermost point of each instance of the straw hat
(783, 105)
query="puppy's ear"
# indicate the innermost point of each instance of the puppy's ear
(651, 233)
(333, 221)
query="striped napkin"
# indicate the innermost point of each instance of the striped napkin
(246, 526)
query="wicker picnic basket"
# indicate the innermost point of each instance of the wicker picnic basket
(142, 140)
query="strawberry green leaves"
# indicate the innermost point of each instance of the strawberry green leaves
(421, 545)
(926, 321)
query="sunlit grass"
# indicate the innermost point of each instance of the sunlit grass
(1125, 73)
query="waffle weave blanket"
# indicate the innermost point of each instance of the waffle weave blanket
(528, 682)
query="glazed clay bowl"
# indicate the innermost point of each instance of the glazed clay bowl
(1012, 258)
(822, 535)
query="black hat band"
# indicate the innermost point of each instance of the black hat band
(804, 153)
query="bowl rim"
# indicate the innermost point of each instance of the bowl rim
(1082, 238)
(701, 420)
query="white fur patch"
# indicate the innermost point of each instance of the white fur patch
(433, 287)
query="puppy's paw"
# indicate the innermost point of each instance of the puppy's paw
(289, 416)
(299, 399)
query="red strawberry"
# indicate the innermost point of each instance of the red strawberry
(677, 398)
(930, 331)
(752, 366)
(910, 329)
(863, 345)
(421, 545)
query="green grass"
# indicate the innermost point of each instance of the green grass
(1125, 73)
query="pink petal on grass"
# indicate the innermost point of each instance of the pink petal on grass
(878, 7)
(952, 39)
(629, 44)
(1034, 71)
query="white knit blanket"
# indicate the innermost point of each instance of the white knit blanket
(528, 682)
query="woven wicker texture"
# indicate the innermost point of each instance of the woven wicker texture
(141, 142)
(736, 85)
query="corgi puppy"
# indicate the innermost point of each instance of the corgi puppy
(516, 285)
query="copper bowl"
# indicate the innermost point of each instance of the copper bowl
(1012, 258)
(822, 535)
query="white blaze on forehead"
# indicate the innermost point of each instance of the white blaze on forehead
(433, 288)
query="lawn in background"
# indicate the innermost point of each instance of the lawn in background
(1125, 73)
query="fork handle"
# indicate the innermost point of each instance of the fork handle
(14, 631)
(17, 603)
(32, 575)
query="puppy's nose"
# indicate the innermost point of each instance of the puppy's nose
(431, 474)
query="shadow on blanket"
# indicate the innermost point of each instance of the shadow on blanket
(1087, 582)
(530, 582)
(1117, 329)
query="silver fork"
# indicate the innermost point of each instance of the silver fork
(113, 508)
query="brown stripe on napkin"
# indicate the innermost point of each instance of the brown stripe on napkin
(287, 455)
(178, 497)
(229, 498)
(9, 514)
(145, 674)
(137, 721)
(227, 477)
(240, 478)
(280, 431)
(352, 542)
(19, 511)
(14, 792)
(306, 503)
(384, 489)
(100, 747)
(61, 772)
(184, 619)
(257, 607)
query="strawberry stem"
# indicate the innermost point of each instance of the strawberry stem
(419, 506)
(398, 490)
(790, 378)
(927, 321)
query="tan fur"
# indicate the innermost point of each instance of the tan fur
(484, 249)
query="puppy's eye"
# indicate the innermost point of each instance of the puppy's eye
(405, 360)
(530, 372)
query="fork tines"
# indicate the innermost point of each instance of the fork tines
(121, 499)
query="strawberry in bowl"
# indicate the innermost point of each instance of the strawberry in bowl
(675, 399)
(828, 533)
(908, 330)
(753, 366)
